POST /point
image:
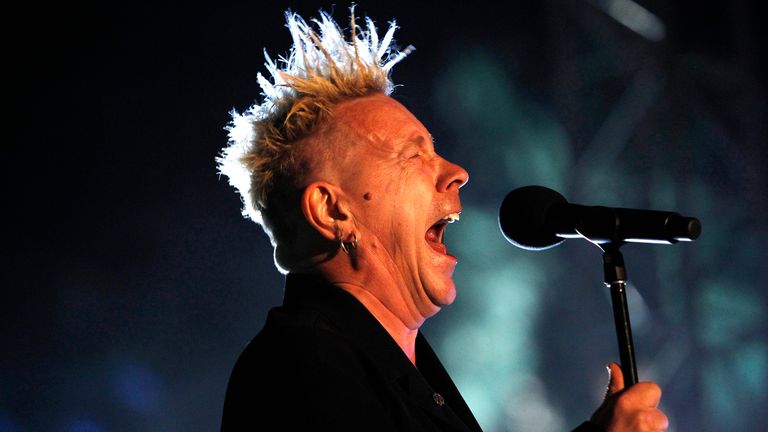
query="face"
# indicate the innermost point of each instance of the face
(401, 193)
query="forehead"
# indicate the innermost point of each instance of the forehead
(380, 118)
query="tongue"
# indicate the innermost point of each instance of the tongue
(433, 239)
(438, 247)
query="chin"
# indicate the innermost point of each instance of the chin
(443, 294)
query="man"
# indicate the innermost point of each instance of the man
(347, 184)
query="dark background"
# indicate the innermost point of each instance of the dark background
(131, 281)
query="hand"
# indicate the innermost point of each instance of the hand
(632, 409)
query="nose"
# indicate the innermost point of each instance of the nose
(451, 176)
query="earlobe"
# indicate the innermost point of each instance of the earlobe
(324, 208)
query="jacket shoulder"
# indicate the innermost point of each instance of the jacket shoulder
(301, 370)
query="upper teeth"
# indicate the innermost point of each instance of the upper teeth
(451, 218)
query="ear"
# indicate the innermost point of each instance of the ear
(325, 209)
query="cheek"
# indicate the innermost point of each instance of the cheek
(398, 231)
(395, 208)
(376, 185)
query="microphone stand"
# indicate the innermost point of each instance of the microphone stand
(616, 279)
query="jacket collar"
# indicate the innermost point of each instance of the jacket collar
(350, 318)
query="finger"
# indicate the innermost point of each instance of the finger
(655, 420)
(616, 378)
(648, 420)
(646, 394)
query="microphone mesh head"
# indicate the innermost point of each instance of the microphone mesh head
(523, 217)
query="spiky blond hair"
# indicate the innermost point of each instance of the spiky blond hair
(261, 159)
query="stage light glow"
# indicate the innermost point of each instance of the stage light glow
(138, 387)
(531, 411)
(635, 17)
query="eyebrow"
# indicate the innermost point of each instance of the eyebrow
(419, 141)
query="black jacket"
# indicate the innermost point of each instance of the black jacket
(323, 362)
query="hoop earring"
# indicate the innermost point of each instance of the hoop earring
(347, 246)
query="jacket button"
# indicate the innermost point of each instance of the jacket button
(438, 399)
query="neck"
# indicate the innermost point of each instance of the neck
(377, 284)
(404, 336)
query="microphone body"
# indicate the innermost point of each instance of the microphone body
(536, 218)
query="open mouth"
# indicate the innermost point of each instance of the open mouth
(435, 235)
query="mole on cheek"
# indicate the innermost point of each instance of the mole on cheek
(367, 196)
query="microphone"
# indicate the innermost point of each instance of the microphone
(538, 218)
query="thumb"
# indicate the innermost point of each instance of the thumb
(604, 414)
(616, 379)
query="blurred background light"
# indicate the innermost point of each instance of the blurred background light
(635, 18)
(138, 387)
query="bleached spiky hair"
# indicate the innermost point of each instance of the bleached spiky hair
(322, 69)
